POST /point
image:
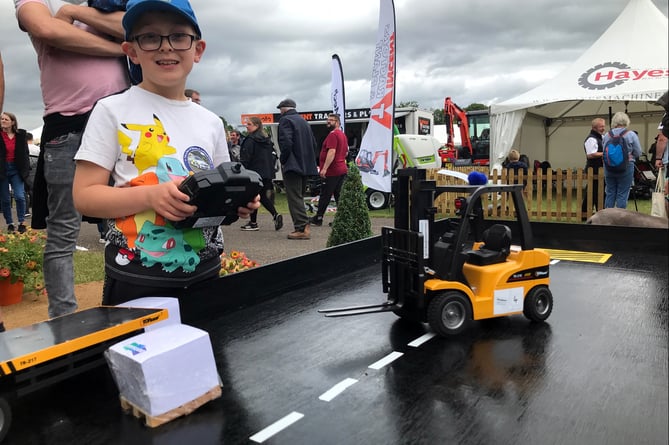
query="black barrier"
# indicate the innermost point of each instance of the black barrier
(243, 289)
(255, 285)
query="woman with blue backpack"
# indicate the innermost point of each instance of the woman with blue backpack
(621, 149)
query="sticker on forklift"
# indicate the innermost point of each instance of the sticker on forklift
(575, 255)
(424, 228)
(508, 300)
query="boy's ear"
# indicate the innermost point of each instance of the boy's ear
(130, 51)
(200, 45)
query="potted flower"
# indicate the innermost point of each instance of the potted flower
(21, 263)
(235, 262)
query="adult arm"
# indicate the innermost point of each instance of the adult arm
(660, 148)
(36, 19)
(246, 151)
(636, 145)
(286, 140)
(591, 149)
(105, 22)
(329, 157)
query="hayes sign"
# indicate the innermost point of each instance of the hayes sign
(611, 74)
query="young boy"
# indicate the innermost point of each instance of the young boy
(148, 139)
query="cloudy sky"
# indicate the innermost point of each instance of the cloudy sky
(260, 51)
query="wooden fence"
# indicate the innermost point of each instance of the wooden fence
(554, 196)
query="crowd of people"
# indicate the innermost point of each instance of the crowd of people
(618, 182)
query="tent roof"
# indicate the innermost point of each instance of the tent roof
(629, 62)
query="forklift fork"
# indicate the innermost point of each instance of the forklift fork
(403, 274)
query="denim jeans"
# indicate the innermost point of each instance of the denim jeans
(63, 224)
(14, 179)
(618, 187)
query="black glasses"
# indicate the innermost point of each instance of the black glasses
(179, 41)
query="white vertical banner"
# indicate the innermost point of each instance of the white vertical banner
(337, 96)
(375, 157)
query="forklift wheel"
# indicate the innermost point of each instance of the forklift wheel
(538, 304)
(5, 417)
(449, 313)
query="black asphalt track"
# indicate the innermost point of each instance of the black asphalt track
(594, 373)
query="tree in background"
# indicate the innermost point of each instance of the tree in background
(351, 222)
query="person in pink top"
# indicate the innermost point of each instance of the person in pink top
(80, 60)
(332, 166)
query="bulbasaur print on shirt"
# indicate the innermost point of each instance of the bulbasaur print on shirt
(150, 238)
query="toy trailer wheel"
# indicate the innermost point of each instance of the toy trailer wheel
(5, 417)
(449, 313)
(538, 304)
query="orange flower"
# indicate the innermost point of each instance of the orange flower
(21, 256)
(236, 262)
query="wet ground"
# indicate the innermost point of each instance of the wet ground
(595, 373)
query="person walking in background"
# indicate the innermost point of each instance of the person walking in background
(14, 170)
(234, 145)
(593, 153)
(193, 95)
(332, 166)
(298, 161)
(257, 154)
(618, 184)
(79, 63)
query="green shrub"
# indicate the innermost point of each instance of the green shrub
(351, 221)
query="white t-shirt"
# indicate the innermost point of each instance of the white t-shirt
(144, 139)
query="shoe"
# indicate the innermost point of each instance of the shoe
(102, 241)
(278, 222)
(300, 234)
(27, 215)
(250, 227)
(11, 228)
(315, 220)
(22, 228)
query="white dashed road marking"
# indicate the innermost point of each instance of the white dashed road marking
(386, 360)
(422, 339)
(337, 389)
(276, 427)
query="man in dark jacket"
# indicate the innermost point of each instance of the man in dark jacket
(593, 153)
(298, 162)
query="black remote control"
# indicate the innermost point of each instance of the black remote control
(218, 193)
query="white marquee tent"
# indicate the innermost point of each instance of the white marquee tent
(626, 69)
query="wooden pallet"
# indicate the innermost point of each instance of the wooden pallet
(183, 410)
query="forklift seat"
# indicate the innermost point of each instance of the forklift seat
(496, 246)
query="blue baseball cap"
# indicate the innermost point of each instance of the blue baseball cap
(135, 9)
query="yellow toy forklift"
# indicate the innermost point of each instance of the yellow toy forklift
(451, 271)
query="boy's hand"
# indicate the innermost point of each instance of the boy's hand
(245, 212)
(168, 201)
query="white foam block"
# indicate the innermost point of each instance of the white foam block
(169, 303)
(163, 369)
